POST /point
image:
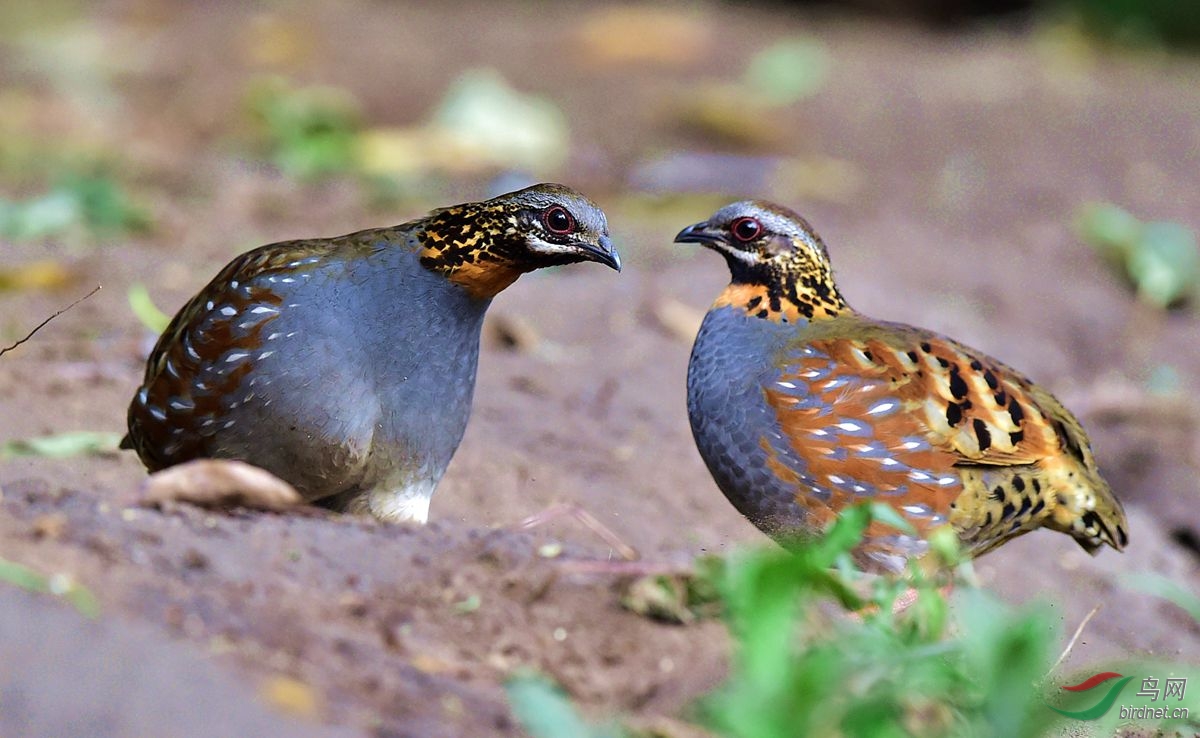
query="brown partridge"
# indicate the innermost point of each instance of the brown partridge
(346, 366)
(801, 406)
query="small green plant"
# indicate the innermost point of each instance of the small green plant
(1160, 259)
(802, 667)
(309, 132)
(1139, 23)
(90, 202)
(788, 71)
(797, 671)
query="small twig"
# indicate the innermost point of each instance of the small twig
(623, 568)
(41, 325)
(571, 510)
(1071, 643)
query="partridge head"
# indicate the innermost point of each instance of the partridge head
(801, 406)
(346, 366)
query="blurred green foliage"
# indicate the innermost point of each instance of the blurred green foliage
(883, 674)
(1141, 22)
(309, 132)
(88, 203)
(1160, 259)
(62, 445)
(545, 712)
(481, 125)
(801, 667)
(788, 71)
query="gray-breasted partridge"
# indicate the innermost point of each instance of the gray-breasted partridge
(801, 406)
(346, 366)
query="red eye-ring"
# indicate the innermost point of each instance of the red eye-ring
(745, 229)
(558, 220)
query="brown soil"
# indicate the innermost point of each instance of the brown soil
(963, 160)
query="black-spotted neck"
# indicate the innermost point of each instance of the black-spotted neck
(784, 291)
(478, 247)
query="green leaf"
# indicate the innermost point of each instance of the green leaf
(1005, 654)
(309, 132)
(22, 576)
(797, 672)
(885, 513)
(144, 308)
(91, 201)
(102, 204)
(1161, 259)
(77, 595)
(63, 445)
(1165, 266)
(60, 585)
(48, 215)
(1109, 229)
(468, 605)
(545, 712)
(788, 71)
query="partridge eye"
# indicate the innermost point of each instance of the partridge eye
(745, 229)
(558, 220)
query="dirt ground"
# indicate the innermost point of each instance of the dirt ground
(943, 170)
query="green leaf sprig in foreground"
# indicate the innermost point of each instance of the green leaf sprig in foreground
(800, 670)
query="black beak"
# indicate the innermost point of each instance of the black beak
(601, 252)
(698, 233)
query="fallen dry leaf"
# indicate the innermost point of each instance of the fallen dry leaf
(428, 664)
(43, 274)
(219, 483)
(291, 695)
(49, 526)
(723, 112)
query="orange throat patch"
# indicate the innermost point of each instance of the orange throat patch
(484, 280)
(757, 300)
(465, 246)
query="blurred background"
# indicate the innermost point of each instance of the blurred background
(1022, 176)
